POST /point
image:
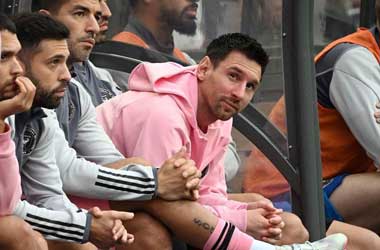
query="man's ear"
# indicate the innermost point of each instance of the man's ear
(46, 12)
(204, 67)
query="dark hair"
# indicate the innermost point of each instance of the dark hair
(7, 24)
(32, 28)
(50, 5)
(222, 46)
(133, 3)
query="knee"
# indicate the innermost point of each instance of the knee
(31, 238)
(150, 233)
(358, 238)
(21, 235)
(40, 241)
(371, 241)
(294, 231)
(59, 245)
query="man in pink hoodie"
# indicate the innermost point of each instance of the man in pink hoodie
(170, 106)
(15, 96)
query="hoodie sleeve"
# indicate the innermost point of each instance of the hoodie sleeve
(65, 225)
(42, 187)
(10, 187)
(213, 194)
(132, 182)
(91, 142)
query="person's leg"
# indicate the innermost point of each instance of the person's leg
(12, 229)
(180, 217)
(59, 245)
(293, 232)
(364, 189)
(331, 242)
(358, 238)
(195, 225)
(149, 233)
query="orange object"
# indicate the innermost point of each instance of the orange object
(340, 151)
(131, 38)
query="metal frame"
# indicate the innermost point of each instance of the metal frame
(114, 61)
(299, 160)
(266, 137)
(302, 115)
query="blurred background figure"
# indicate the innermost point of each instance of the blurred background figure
(267, 18)
(104, 21)
(340, 17)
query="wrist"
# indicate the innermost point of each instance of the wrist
(88, 231)
(158, 191)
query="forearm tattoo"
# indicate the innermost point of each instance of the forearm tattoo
(203, 225)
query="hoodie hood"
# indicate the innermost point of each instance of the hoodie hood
(169, 78)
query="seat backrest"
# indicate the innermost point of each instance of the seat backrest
(121, 58)
(114, 61)
(134, 51)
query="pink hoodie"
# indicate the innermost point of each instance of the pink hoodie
(10, 183)
(158, 116)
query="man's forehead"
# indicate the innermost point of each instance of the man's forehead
(51, 48)
(9, 41)
(92, 5)
(238, 61)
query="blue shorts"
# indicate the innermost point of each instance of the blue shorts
(330, 212)
(283, 200)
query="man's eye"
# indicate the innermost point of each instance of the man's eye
(4, 57)
(251, 86)
(54, 62)
(98, 18)
(80, 13)
(233, 76)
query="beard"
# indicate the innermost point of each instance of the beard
(78, 54)
(45, 98)
(186, 27)
(101, 37)
(180, 23)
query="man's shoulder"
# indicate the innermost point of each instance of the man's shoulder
(150, 107)
(357, 62)
(101, 73)
(357, 55)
